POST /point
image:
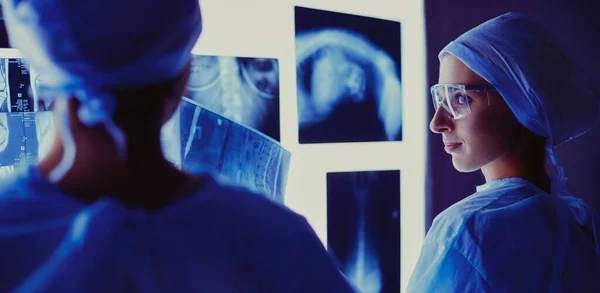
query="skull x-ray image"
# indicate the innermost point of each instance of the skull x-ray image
(363, 228)
(196, 138)
(245, 90)
(349, 85)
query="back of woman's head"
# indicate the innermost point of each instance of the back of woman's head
(95, 45)
(92, 50)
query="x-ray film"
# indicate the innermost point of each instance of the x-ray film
(24, 138)
(18, 87)
(363, 228)
(229, 123)
(348, 77)
(196, 138)
(244, 90)
(25, 133)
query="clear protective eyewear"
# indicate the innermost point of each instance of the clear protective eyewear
(454, 97)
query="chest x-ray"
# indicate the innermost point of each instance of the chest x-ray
(244, 90)
(348, 78)
(363, 228)
(196, 138)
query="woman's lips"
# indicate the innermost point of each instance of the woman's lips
(449, 147)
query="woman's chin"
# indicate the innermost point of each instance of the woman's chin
(463, 166)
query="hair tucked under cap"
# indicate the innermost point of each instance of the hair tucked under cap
(548, 93)
(86, 48)
(542, 86)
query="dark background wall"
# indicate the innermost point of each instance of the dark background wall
(577, 25)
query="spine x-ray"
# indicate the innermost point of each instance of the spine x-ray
(196, 138)
(24, 137)
(25, 133)
(17, 93)
(244, 90)
(363, 228)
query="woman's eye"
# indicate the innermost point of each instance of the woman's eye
(461, 99)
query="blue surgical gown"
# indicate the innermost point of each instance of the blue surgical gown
(509, 236)
(222, 239)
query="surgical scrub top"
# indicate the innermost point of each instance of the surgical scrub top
(509, 236)
(221, 239)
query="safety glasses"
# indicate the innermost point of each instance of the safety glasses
(454, 98)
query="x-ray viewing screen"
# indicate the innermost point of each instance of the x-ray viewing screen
(244, 90)
(196, 138)
(348, 77)
(363, 228)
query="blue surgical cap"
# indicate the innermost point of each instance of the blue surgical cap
(86, 48)
(542, 86)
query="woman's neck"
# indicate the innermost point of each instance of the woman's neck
(526, 159)
(533, 171)
(145, 179)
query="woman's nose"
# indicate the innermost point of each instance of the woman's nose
(441, 121)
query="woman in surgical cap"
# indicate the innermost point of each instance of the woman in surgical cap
(507, 96)
(105, 211)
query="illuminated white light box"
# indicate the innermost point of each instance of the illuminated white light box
(266, 28)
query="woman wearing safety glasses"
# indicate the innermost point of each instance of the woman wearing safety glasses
(507, 95)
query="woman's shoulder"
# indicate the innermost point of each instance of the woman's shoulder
(239, 205)
(17, 182)
(25, 189)
(486, 208)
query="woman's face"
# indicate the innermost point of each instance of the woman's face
(481, 137)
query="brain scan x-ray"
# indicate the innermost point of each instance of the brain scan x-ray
(245, 90)
(363, 228)
(348, 78)
(196, 138)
